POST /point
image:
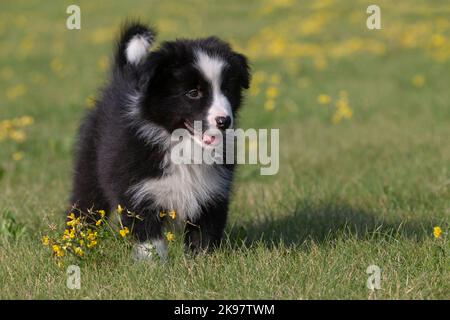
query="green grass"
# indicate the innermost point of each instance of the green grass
(367, 190)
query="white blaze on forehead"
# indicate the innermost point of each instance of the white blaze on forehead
(212, 67)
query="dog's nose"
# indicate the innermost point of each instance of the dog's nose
(223, 122)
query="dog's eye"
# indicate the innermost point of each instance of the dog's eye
(194, 94)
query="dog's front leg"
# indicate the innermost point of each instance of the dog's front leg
(146, 229)
(205, 233)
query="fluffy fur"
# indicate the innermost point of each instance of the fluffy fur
(123, 153)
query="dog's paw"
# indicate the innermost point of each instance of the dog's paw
(150, 250)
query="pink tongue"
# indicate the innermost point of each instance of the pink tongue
(208, 139)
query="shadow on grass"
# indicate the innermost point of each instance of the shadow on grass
(325, 223)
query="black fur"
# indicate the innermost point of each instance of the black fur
(112, 153)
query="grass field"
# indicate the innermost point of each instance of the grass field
(364, 119)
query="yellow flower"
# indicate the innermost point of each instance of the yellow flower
(162, 214)
(269, 105)
(92, 235)
(16, 91)
(59, 252)
(23, 121)
(92, 244)
(17, 135)
(45, 240)
(437, 231)
(81, 242)
(418, 80)
(73, 223)
(254, 90)
(173, 214)
(102, 213)
(323, 99)
(119, 209)
(79, 251)
(71, 216)
(320, 63)
(343, 110)
(17, 156)
(123, 232)
(170, 236)
(272, 92)
(103, 63)
(90, 102)
(67, 245)
(99, 222)
(66, 235)
(56, 65)
(275, 79)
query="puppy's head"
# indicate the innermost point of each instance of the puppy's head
(187, 81)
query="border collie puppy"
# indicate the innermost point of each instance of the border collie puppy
(123, 152)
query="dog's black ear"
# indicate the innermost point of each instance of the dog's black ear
(134, 44)
(243, 70)
(153, 66)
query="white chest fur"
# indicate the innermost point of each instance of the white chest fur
(185, 188)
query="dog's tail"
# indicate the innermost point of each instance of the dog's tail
(134, 44)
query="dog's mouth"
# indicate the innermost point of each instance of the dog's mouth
(200, 136)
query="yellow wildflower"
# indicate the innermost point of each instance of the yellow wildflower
(17, 135)
(162, 214)
(92, 244)
(67, 245)
(16, 91)
(259, 77)
(437, 232)
(275, 79)
(123, 232)
(79, 251)
(119, 209)
(103, 63)
(56, 65)
(73, 223)
(59, 252)
(17, 156)
(99, 222)
(25, 121)
(418, 80)
(170, 236)
(90, 102)
(66, 235)
(343, 110)
(272, 92)
(69, 234)
(92, 235)
(320, 63)
(323, 99)
(269, 105)
(45, 240)
(102, 213)
(173, 214)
